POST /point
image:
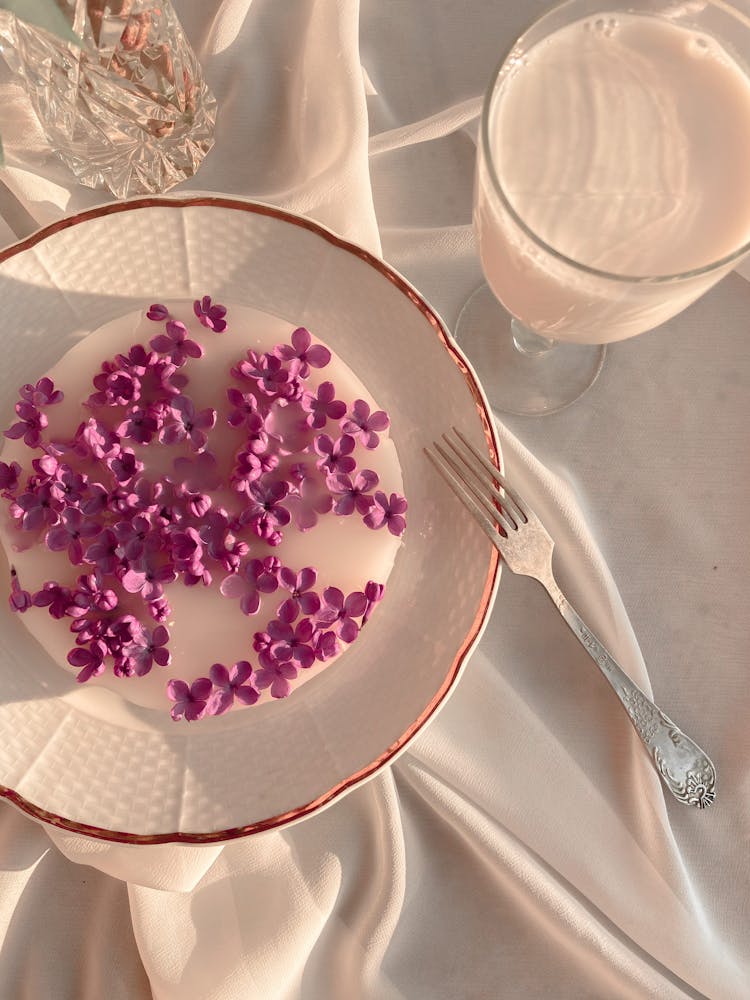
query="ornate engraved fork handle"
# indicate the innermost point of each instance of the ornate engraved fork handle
(687, 771)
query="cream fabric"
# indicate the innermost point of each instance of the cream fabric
(523, 846)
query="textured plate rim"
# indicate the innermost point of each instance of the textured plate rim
(363, 774)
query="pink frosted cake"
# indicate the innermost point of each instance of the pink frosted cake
(205, 519)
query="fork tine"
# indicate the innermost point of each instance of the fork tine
(488, 527)
(494, 472)
(513, 512)
(474, 485)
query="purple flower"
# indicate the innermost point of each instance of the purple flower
(293, 643)
(374, 593)
(245, 408)
(270, 375)
(162, 378)
(262, 642)
(315, 356)
(189, 701)
(97, 440)
(309, 498)
(339, 612)
(137, 361)
(69, 533)
(143, 496)
(115, 387)
(364, 425)
(104, 552)
(37, 508)
(187, 550)
(325, 646)
(91, 594)
(147, 648)
(187, 423)
(352, 495)
(260, 576)
(237, 682)
(68, 486)
(9, 477)
(41, 394)
(211, 316)
(138, 536)
(200, 474)
(146, 578)
(264, 511)
(249, 467)
(159, 609)
(276, 674)
(29, 426)
(140, 424)
(20, 600)
(158, 312)
(303, 599)
(55, 598)
(385, 511)
(123, 464)
(90, 659)
(335, 456)
(322, 406)
(176, 344)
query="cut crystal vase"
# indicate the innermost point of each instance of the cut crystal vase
(129, 109)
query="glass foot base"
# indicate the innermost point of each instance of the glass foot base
(517, 380)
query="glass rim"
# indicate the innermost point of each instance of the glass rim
(631, 279)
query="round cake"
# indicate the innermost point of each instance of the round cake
(201, 507)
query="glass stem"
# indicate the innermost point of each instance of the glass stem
(528, 342)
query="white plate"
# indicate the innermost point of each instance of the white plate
(88, 761)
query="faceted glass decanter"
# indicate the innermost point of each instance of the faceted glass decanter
(129, 109)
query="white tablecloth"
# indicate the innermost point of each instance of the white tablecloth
(523, 846)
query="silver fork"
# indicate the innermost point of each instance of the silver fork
(526, 547)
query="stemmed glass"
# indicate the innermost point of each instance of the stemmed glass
(612, 188)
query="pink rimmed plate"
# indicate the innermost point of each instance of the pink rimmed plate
(86, 760)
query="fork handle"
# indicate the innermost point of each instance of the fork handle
(686, 770)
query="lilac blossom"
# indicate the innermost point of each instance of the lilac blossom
(158, 312)
(259, 576)
(387, 511)
(322, 406)
(176, 344)
(70, 533)
(276, 674)
(97, 439)
(339, 612)
(236, 682)
(159, 609)
(303, 598)
(41, 394)
(262, 643)
(270, 375)
(244, 408)
(9, 473)
(143, 495)
(147, 578)
(68, 486)
(352, 494)
(309, 497)
(365, 425)
(91, 594)
(138, 535)
(302, 349)
(162, 378)
(140, 424)
(264, 512)
(103, 553)
(55, 598)
(115, 387)
(249, 467)
(326, 645)
(123, 464)
(19, 600)
(374, 593)
(29, 426)
(293, 642)
(190, 701)
(187, 423)
(335, 456)
(209, 315)
(147, 648)
(37, 508)
(187, 551)
(89, 658)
